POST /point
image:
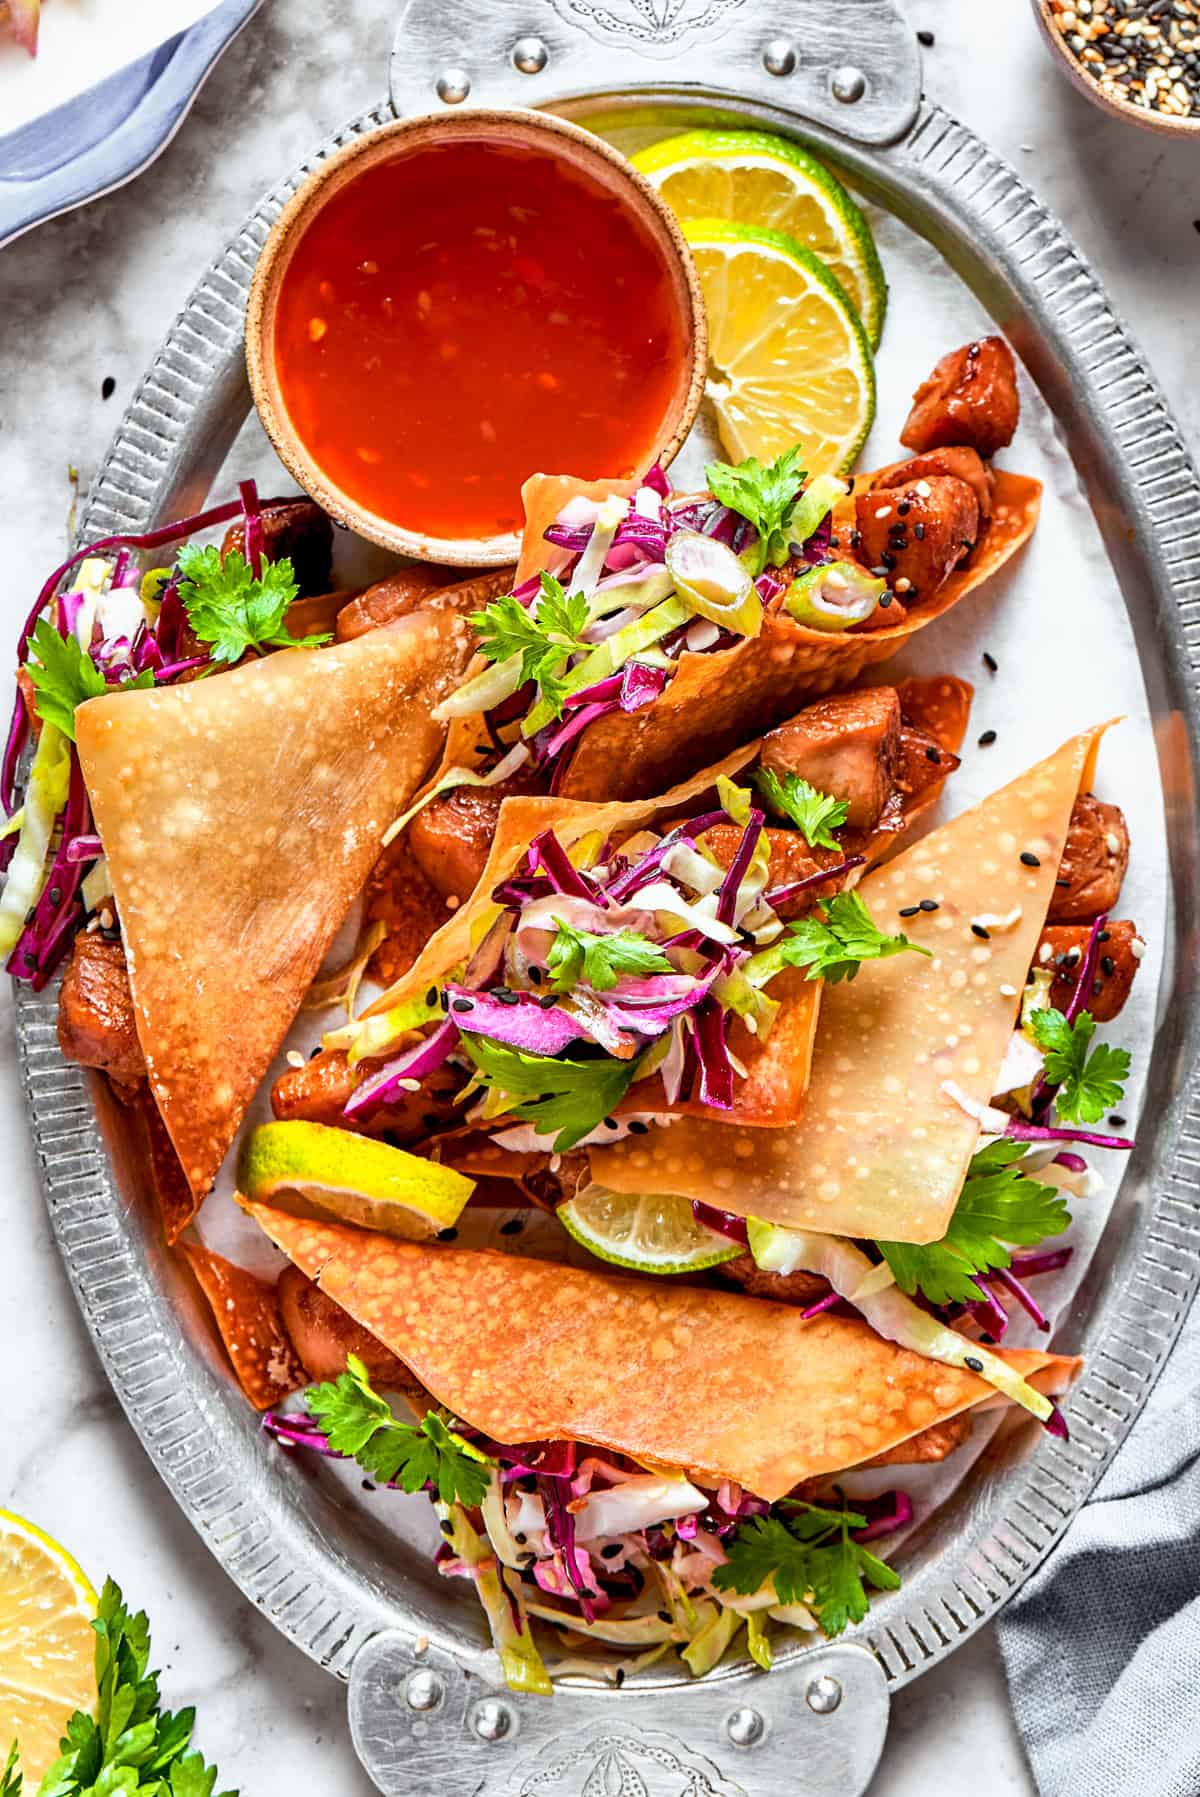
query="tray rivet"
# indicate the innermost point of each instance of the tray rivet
(779, 57)
(824, 1695)
(530, 55)
(424, 1691)
(745, 1727)
(849, 84)
(492, 1720)
(453, 87)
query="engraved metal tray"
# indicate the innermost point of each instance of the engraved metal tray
(425, 1713)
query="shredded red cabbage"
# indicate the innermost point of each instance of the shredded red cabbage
(1049, 1260)
(1021, 1131)
(721, 1222)
(655, 478)
(829, 1302)
(248, 493)
(716, 1070)
(890, 1511)
(1025, 1299)
(47, 933)
(738, 867)
(547, 852)
(415, 1063)
(1087, 972)
(782, 895)
(646, 867)
(522, 1025)
(83, 848)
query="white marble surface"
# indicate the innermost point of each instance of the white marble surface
(91, 296)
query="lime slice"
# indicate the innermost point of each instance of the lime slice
(789, 361)
(350, 1177)
(47, 1647)
(654, 1234)
(754, 178)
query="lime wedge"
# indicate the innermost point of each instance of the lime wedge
(352, 1178)
(754, 178)
(789, 361)
(47, 1646)
(654, 1234)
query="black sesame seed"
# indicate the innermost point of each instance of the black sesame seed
(520, 1540)
(926, 38)
(367, 1485)
(56, 895)
(446, 1527)
(910, 911)
(919, 532)
(30, 958)
(638, 1128)
(547, 1001)
(1061, 882)
(444, 1000)
(976, 1366)
(888, 561)
(464, 1004)
(990, 662)
(1104, 935)
(1107, 966)
(504, 995)
(855, 538)
(536, 975)
(929, 904)
(885, 599)
(987, 739)
(934, 755)
(665, 1616)
(904, 508)
(977, 929)
(611, 1123)
(431, 996)
(619, 1677)
(514, 1226)
(447, 1235)
(1117, 1121)
(610, 1550)
(1029, 859)
(107, 387)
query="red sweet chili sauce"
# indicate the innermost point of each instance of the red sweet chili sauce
(458, 317)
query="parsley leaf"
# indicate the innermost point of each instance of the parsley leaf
(765, 497)
(129, 1745)
(812, 1558)
(551, 1092)
(545, 635)
(10, 1779)
(359, 1424)
(599, 961)
(837, 938)
(815, 814)
(230, 610)
(62, 675)
(1089, 1084)
(999, 1208)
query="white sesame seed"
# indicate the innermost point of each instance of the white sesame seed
(924, 489)
(885, 511)
(904, 584)
(1137, 948)
(1044, 953)
(1112, 843)
(295, 1058)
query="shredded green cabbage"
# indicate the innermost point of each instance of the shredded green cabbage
(49, 781)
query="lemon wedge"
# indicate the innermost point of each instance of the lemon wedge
(755, 178)
(47, 1647)
(352, 1178)
(789, 361)
(653, 1234)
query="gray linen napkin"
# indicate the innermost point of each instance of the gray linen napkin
(1102, 1648)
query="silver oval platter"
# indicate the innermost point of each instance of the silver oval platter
(1102, 616)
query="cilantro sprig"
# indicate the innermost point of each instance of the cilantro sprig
(63, 676)
(834, 941)
(10, 1779)
(130, 1744)
(600, 961)
(815, 814)
(999, 1208)
(551, 1092)
(545, 635)
(765, 496)
(1089, 1083)
(810, 1554)
(360, 1424)
(231, 610)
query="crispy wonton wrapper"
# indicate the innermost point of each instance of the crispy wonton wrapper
(240, 816)
(718, 1385)
(246, 1311)
(883, 1146)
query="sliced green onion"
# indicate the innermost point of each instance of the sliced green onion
(712, 581)
(607, 657)
(834, 596)
(483, 691)
(817, 500)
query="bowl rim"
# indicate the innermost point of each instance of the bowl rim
(1163, 122)
(275, 256)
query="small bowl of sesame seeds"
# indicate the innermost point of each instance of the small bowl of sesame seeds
(1139, 59)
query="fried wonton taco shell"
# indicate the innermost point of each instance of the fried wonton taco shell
(240, 816)
(883, 1146)
(718, 1385)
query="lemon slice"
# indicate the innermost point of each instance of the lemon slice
(352, 1178)
(755, 178)
(654, 1234)
(47, 1647)
(789, 361)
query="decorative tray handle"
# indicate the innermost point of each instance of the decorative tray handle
(851, 65)
(424, 1727)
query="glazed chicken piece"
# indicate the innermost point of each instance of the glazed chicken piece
(1093, 864)
(971, 398)
(785, 1288)
(323, 1334)
(791, 860)
(936, 1443)
(400, 897)
(296, 528)
(415, 587)
(1120, 951)
(97, 1024)
(958, 464)
(847, 745)
(917, 531)
(318, 1091)
(451, 838)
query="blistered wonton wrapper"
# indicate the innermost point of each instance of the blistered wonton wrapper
(246, 1311)
(717, 1385)
(883, 1147)
(720, 697)
(240, 816)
